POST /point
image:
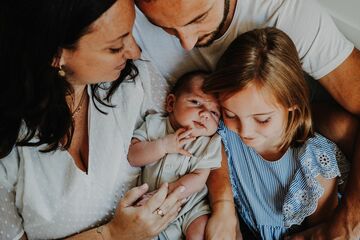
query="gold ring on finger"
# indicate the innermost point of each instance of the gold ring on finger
(159, 212)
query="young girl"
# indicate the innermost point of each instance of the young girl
(284, 176)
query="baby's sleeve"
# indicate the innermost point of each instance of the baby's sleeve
(10, 220)
(141, 132)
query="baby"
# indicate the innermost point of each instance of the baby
(180, 149)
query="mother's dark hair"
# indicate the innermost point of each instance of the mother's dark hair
(32, 92)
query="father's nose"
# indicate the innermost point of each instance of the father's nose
(187, 37)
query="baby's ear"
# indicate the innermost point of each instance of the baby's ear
(170, 102)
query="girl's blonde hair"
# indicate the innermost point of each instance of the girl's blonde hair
(268, 58)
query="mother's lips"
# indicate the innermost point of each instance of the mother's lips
(120, 67)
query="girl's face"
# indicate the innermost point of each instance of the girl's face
(257, 118)
(102, 53)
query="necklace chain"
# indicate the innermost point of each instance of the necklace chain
(79, 106)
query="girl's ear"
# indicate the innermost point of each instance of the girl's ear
(170, 102)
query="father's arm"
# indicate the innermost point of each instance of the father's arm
(343, 84)
(223, 221)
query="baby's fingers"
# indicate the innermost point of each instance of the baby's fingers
(184, 134)
(186, 140)
(184, 152)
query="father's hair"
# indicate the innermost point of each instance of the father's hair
(184, 83)
(267, 58)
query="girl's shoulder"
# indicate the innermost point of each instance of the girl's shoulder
(317, 157)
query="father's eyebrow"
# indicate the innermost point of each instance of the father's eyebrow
(197, 18)
(119, 37)
(186, 24)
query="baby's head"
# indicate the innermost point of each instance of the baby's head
(260, 85)
(189, 107)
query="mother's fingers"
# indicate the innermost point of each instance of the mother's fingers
(170, 215)
(172, 201)
(157, 199)
(133, 195)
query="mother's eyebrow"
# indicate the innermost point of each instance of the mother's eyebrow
(117, 38)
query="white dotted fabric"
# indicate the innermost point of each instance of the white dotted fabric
(47, 196)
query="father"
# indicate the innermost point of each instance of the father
(198, 32)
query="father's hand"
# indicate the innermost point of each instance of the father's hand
(222, 224)
(336, 228)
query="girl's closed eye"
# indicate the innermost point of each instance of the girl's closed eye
(263, 121)
(228, 114)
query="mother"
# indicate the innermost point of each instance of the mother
(65, 128)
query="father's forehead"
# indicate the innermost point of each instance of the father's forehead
(171, 13)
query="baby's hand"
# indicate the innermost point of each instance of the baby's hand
(173, 143)
(144, 198)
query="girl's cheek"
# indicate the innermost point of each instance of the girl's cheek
(232, 125)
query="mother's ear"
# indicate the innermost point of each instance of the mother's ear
(59, 63)
(170, 102)
(58, 59)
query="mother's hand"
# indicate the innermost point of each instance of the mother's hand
(144, 222)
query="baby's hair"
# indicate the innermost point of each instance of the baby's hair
(269, 59)
(184, 83)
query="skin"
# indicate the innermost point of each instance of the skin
(194, 110)
(177, 18)
(260, 123)
(206, 22)
(100, 56)
(191, 114)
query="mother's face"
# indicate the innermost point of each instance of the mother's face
(101, 54)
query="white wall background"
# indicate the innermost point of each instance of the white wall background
(346, 14)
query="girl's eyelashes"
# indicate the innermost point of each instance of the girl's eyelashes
(228, 114)
(265, 121)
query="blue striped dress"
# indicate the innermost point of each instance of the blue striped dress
(274, 197)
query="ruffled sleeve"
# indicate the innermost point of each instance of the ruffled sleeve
(318, 156)
(10, 221)
(222, 131)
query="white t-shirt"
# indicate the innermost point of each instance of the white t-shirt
(320, 45)
(47, 196)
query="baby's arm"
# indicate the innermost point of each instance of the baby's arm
(142, 153)
(327, 202)
(193, 182)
